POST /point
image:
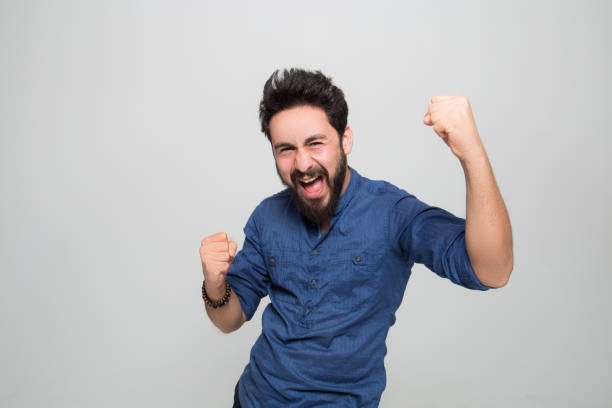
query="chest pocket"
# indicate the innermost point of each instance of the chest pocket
(287, 273)
(321, 288)
(356, 279)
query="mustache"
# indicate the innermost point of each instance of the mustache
(313, 172)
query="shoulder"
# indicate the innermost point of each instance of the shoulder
(274, 203)
(383, 195)
(272, 208)
(381, 189)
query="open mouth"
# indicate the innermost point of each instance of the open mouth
(312, 186)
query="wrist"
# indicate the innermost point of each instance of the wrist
(474, 159)
(215, 290)
(216, 302)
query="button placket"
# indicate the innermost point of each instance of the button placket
(311, 284)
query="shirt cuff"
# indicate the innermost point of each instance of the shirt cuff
(249, 301)
(463, 272)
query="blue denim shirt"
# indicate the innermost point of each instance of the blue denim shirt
(333, 296)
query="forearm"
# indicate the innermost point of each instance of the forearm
(488, 235)
(228, 317)
(217, 254)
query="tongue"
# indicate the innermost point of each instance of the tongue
(314, 188)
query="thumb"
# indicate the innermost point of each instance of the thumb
(233, 247)
(427, 119)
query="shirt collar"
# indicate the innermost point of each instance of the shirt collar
(350, 191)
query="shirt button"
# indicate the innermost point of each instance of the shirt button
(272, 260)
(315, 252)
(358, 259)
(313, 282)
(307, 311)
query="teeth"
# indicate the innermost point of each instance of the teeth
(309, 180)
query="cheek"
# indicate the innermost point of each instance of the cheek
(283, 166)
(329, 160)
(321, 156)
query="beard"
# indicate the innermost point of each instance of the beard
(313, 209)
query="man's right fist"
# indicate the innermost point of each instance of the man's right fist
(217, 253)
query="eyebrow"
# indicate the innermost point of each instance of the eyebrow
(310, 139)
(281, 145)
(314, 137)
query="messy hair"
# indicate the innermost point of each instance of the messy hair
(297, 87)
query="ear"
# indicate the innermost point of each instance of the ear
(347, 140)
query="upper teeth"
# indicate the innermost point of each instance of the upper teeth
(309, 180)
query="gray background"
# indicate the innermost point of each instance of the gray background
(129, 132)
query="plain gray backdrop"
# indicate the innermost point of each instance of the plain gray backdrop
(129, 132)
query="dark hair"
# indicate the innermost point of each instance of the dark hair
(297, 87)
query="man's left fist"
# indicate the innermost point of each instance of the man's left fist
(452, 119)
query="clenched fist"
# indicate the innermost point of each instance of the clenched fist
(217, 253)
(452, 119)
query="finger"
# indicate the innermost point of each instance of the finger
(427, 118)
(218, 237)
(437, 114)
(441, 131)
(233, 247)
(436, 108)
(214, 247)
(440, 98)
(219, 257)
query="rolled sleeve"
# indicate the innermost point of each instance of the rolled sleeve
(247, 275)
(436, 238)
(458, 268)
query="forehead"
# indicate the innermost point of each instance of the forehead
(298, 123)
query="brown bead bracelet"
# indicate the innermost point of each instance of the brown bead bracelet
(219, 303)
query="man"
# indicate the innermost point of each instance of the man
(334, 250)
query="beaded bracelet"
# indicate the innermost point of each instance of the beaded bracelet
(218, 303)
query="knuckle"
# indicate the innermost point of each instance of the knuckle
(219, 236)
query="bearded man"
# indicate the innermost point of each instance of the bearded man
(334, 250)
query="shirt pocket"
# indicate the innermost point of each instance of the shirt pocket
(286, 271)
(356, 279)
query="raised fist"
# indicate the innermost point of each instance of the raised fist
(452, 119)
(217, 253)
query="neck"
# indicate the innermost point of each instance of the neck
(324, 226)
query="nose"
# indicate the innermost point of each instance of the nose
(303, 161)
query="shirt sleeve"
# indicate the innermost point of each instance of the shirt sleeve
(433, 237)
(248, 275)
